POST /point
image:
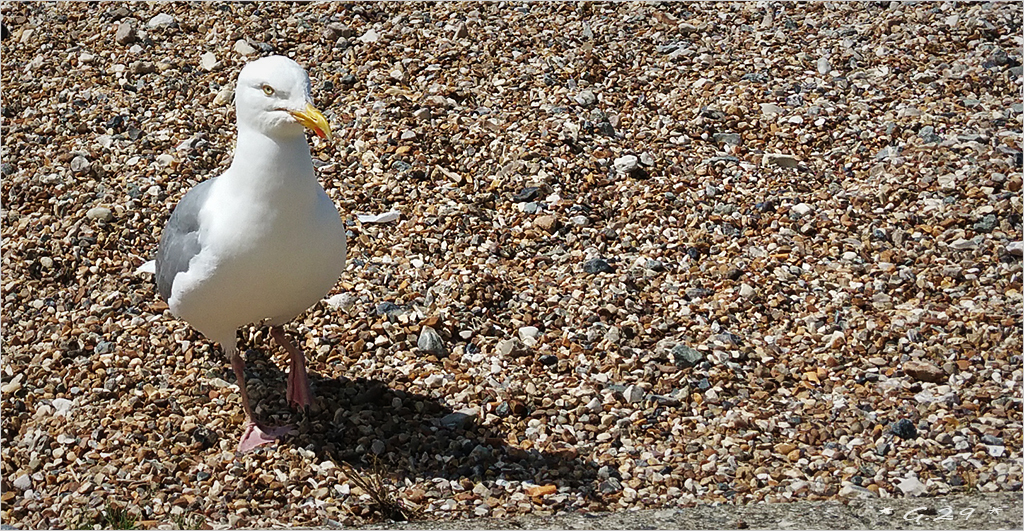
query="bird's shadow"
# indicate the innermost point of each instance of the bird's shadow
(414, 436)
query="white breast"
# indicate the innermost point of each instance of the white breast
(268, 253)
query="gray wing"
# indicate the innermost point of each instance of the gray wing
(180, 240)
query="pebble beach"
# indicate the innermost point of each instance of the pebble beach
(602, 257)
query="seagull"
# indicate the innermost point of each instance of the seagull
(262, 242)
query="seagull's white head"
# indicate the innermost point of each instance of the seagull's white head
(272, 96)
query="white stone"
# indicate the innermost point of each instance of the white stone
(802, 209)
(1015, 248)
(422, 114)
(779, 159)
(341, 301)
(528, 332)
(746, 291)
(771, 108)
(946, 182)
(165, 160)
(162, 19)
(63, 406)
(823, 66)
(22, 482)
(586, 98)
(242, 47)
(506, 347)
(626, 164)
(100, 213)
(217, 383)
(370, 36)
(224, 96)
(208, 61)
(962, 244)
(911, 486)
(633, 394)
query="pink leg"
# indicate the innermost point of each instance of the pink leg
(299, 393)
(255, 434)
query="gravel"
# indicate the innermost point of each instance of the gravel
(848, 264)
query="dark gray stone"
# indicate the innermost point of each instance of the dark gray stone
(597, 265)
(992, 440)
(655, 265)
(686, 357)
(388, 308)
(430, 341)
(610, 486)
(987, 224)
(458, 419)
(904, 429)
(526, 194)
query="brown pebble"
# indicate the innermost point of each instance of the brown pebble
(547, 222)
(923, 371)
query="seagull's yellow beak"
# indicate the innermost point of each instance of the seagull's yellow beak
(311, 118)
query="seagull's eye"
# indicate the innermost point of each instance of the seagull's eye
(268, 90)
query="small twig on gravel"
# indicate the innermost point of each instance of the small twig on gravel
(382, 493)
